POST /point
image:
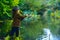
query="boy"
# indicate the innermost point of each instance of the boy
(17, 18)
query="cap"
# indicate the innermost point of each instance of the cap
(15, 8)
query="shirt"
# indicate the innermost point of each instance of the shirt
(17, 18)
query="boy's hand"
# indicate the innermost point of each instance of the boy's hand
(26, 15)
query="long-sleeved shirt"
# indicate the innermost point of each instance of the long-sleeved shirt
(17, 18)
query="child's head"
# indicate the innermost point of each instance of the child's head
(15, 9)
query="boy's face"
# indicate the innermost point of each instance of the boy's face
(18, 11)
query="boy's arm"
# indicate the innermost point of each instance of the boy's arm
(20, 16)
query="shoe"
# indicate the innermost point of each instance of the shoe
(17, 38)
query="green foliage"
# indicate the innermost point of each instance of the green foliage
(6, 7)
(6, 26)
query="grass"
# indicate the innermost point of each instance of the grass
(16, 38)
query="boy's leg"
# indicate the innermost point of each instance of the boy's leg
(17, 33)
(11, 34)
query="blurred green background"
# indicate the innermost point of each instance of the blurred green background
(32, 27)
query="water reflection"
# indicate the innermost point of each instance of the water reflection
(48, 35)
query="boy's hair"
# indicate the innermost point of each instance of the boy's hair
(15, 8)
